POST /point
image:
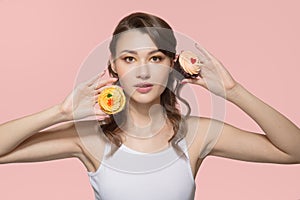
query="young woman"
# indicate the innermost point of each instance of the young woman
(149, 150)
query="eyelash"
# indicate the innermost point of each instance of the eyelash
(159, 57)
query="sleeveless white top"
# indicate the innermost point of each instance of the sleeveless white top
(133, 175)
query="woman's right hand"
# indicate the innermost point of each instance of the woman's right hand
(80, 103)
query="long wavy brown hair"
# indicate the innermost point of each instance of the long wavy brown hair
(162, 35)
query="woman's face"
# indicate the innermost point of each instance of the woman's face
(143, 70)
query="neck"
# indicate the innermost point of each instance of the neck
(144, 120)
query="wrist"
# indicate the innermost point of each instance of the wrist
(235, 93)
(62, 115)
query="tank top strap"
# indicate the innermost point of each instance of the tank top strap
(107, 150)
(184, 147)
(107, 147)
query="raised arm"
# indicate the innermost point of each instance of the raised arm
(77, 105)
(14, 132)
(281, 134)
(44, 146)
(281, 142)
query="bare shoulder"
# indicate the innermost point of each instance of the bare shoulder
(197, 127)
(196, 130)
(91, 140)
(202, 134)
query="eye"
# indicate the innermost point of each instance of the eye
(129, 59)
(156, 58)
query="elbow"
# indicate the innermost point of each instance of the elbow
(292, 160)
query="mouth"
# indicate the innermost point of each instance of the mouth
(144, 87)
(143, 84)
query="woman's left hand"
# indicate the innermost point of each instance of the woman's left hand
(213, 75)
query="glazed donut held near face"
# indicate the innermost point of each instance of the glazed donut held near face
(188, 65)
(111, 99)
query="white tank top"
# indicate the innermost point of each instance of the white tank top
(133, 175)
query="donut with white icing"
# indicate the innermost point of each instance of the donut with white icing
(111, 99)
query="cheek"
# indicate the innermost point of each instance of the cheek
(160, 74)
(122, 69)
(125, 74)
(126, 79)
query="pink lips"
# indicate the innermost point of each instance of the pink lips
(144, 87)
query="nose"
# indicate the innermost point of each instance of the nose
(143, 72)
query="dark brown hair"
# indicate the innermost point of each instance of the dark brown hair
(162, 35)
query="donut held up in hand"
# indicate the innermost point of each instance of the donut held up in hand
(112, 99)
(188, 65)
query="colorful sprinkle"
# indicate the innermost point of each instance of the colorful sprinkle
(110, 102)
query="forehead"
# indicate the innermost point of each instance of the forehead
(134, 40)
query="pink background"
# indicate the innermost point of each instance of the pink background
(43, 44)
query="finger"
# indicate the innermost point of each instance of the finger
(101, 118)
(197, 80)
(204, 52)
(95, 78)
(96, 97)
(104, 83)
(99, 112)
(188, 80)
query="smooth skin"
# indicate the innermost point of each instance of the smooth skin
(24, 140)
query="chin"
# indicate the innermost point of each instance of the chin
(144, 98)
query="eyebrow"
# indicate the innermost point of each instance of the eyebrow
(134, 52)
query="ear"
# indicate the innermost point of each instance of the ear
(112, 64)
(174, 60)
